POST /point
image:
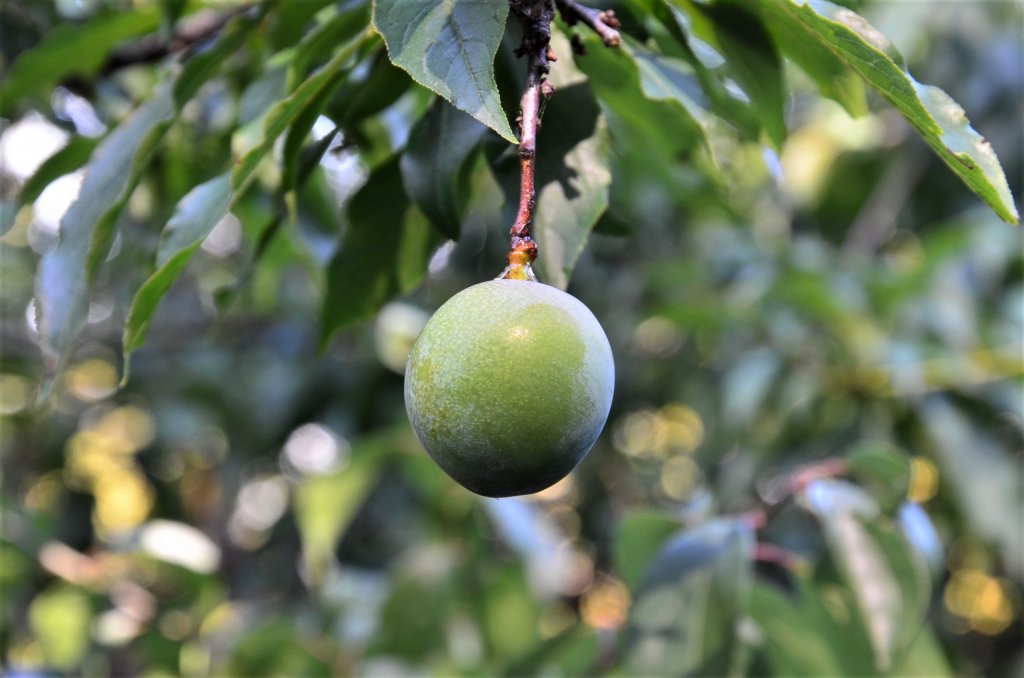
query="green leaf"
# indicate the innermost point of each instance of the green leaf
(66, 160)
(72, 49)
(60, 618)
(936, 117)
(639, 87)
(384, 252)
(883, 469)
(336, 29)
(87, 229)
(434, 165)
(201, 67)
(449, 47)
(888, 580)
(833, 77)
(286, 112)
(640, 536)
(690, 601)
(194, 218)
(357, 100)
(200, 210)
(677, 41)
(801, 638)
(326, 504)
(64, 275)
(752, 58)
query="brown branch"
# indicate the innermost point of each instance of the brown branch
(535, 18)
(602, 22)
(189, 32)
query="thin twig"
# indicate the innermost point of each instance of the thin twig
(536, 20)
(602, 22)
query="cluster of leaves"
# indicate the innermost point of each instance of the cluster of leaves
(349, 141)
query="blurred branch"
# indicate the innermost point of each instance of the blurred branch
(876, 221)
(602, 22)
(190, 32)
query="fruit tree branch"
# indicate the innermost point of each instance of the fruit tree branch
(535, 18)
(602, 22)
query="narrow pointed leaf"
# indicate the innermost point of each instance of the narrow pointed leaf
(935, 116)
(197, 214)
(88, 228)
(449, 47)
(888, 580)
(63, 279)
(286, 111)
(75, 154)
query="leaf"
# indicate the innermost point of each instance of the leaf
(201, 67)
(320, 41)
(640, 536)
(889, 582)
(63, 279)
(384, 252)
(726, 99)
(72, 49)
(383, 86)
(883, 469)
(736, 31)
(833, 77)
(449, 47)
(194, 218)
(326, 504)
(200, 210)
(66, 160)
(435, 162)
(638, 87)
(285, 112)
(59, 618)
(801, 638)
(936, 117)
(690, 601)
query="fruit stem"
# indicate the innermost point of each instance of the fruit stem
(535, 18)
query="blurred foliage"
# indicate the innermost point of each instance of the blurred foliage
(812, 464)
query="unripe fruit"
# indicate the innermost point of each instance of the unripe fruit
(509, 385)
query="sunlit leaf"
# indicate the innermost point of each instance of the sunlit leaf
(64, 277)
(66, 160)
(936, 117)
(449, 47)
(60, 618)
(736, 31)
(888, 580)
(196, 215)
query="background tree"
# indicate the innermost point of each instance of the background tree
(223, 225)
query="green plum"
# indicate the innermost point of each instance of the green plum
(509, 385)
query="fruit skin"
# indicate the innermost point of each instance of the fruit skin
(509, 385)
